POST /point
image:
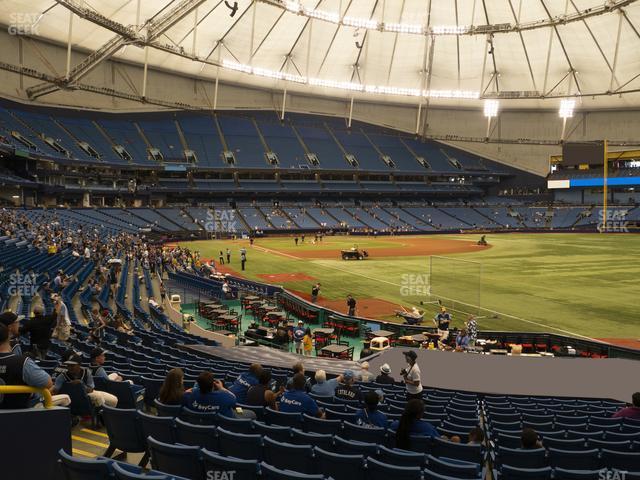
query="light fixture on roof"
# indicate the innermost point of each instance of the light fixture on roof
(449, 29)
(360, 23)
(491, 108)
(567, 106)
(403, 28)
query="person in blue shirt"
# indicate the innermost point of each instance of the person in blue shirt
(324, 387)
(411, 424)
(296, 400)
(370, 416)
(245, 381)
(298, 335)
(462, 340)
(210, 396)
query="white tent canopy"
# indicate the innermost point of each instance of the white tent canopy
(511, 49)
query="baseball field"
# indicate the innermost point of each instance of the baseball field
(576, 284)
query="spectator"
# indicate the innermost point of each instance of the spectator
(462, 340)
(298, 336)
(324, 387)
(307, 342)
(385, 375)
(210, 396)
(12, 322)
(632, 411)
(370, 415)
(39, 329)
(226, 290)
(62, 330)
(172, 389)
(442, 321)
(260, 395)
(472, 329)
(315, 291)
(296, 400)
(411, 375)
(245, 381)
(529, 439)
(97, 359)
(411, 423)
(76, 373)
(365, 374)
(299, 368)
(475, 437)
(20, 370)
(345, 389)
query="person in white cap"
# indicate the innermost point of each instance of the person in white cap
(298, 335)
(385, 375)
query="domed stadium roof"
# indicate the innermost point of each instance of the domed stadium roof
(451, 52)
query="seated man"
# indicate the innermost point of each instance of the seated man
(324, 387)
(385, 375)
(370, 416)
(630, 412)
(76, 373)
(12, 322)
(20, 370)
(345, 389)
(296, 400)
(245, 381)
(210, 396)
(299, 368)
(97, 358)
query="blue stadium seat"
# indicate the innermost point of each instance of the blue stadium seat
(166, 410)
(151, 389)
(243, 469)
(621, 460)
(121, 472)
(401, 458)
(534, 458)
(81, 405)
(125, 432)
(273, 417)
(562, 443)
(363, 434)
(334, 414)
(74, 468)
(453, 468)
(564, 474)
(160, 428)
(352, 447)
(205, 436)
(338, 466)
(279, 433)
(513, 441)
(269, 472)
(515, 473)
(182, 460)
(199, 418)
(298, 458)
(618, 446)
(574, 460)
(238, 425)
(240, 445)
(321, 440)
(319, 425)
(377, 470)
(458, 451)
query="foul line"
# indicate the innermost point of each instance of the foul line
(268, 250)
(470, 305)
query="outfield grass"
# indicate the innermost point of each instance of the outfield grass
(581, 284)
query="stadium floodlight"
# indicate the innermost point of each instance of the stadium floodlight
(403, 28)
(449, 29)
(360, 23)
(566, 107)
(491, 108)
